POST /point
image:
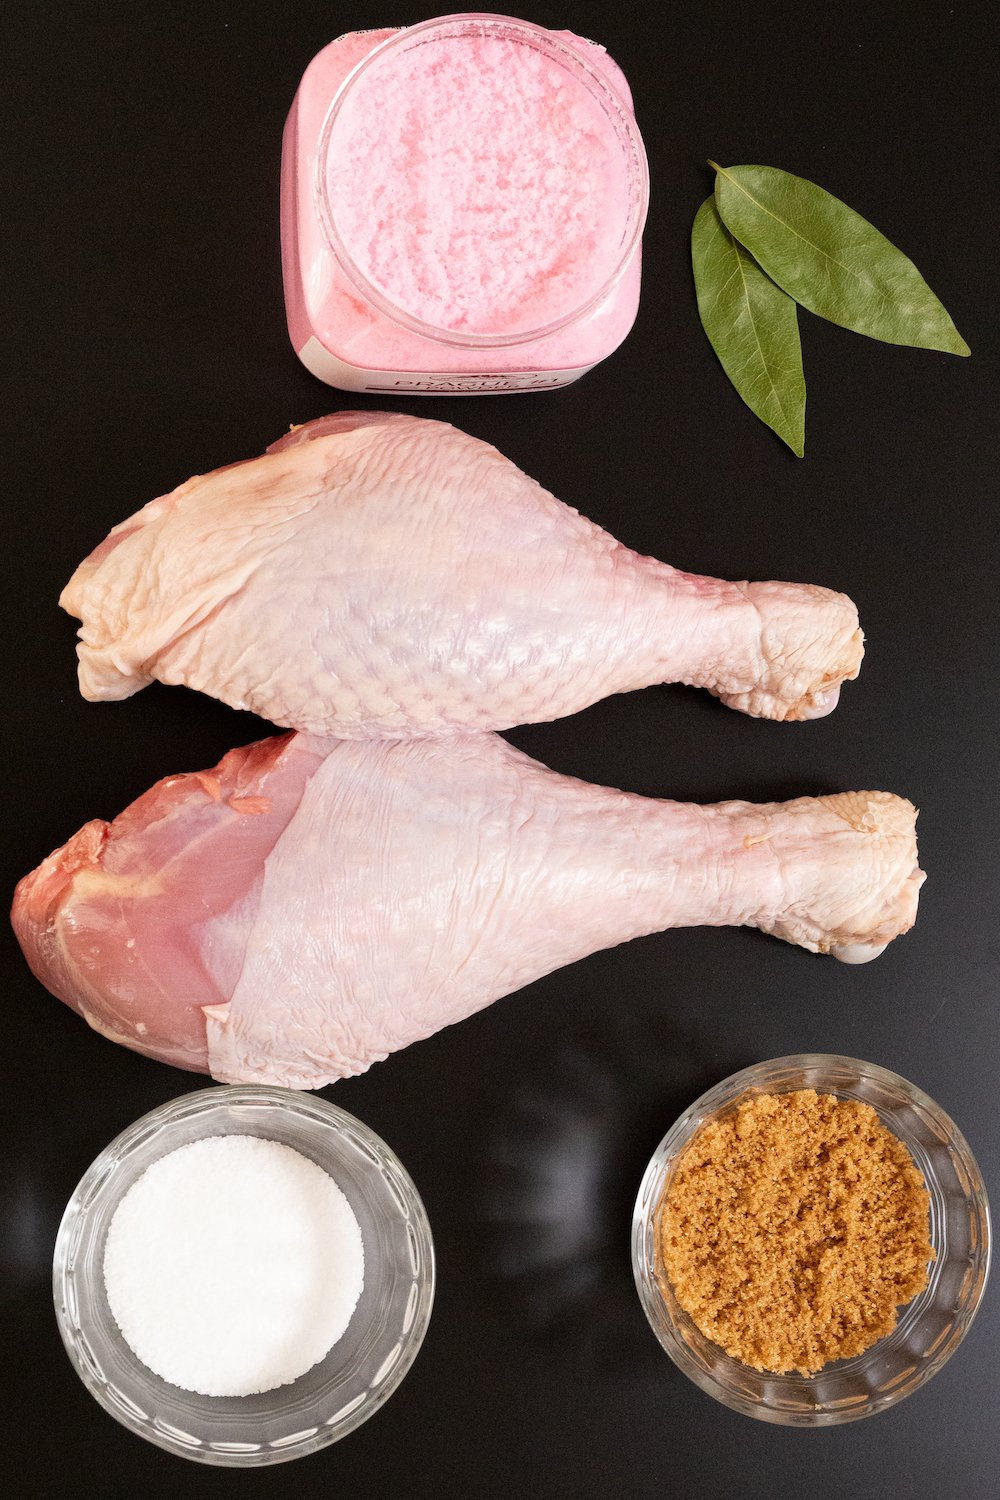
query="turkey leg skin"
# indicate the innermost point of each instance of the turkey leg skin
(379, 575)
(312, 905)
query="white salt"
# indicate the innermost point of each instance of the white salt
(233, 1265)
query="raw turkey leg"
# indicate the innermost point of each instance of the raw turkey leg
(379, 575)
(312, 905)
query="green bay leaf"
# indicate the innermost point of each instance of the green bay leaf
(830, 259)
(752, 325)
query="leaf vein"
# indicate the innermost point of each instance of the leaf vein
(753, 325)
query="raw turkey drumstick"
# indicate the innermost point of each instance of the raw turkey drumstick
(311, 905)
(379, 575)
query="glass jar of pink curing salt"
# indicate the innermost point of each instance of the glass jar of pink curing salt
(462, 205)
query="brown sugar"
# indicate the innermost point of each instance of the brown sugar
(793, 1228)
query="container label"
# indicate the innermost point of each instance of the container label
(327, 367)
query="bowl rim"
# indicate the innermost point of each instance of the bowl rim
(705, 1107)
(204, 1103)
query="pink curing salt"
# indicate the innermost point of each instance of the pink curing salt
(462, 204)
(498, 200)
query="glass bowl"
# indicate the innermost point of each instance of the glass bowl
(357, 1375)
(930, 1328)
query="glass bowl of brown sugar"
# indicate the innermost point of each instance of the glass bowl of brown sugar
(942, 1203)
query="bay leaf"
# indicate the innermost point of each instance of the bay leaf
(830, 259)
(752, 325)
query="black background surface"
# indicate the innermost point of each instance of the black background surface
(149, 344)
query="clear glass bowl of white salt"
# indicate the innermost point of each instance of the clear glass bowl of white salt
(357, 1374)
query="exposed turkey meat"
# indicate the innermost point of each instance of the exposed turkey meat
(375, 574)
(310, 906)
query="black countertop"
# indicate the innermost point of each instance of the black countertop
(150, 344)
